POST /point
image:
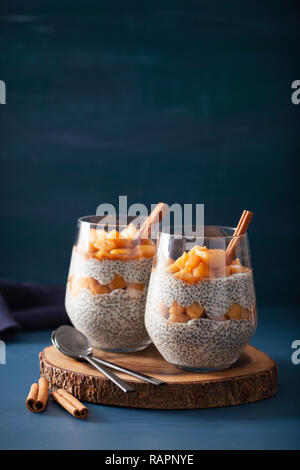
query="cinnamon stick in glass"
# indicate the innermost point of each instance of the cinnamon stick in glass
(156, 215)
(241, 229)
(70, 403)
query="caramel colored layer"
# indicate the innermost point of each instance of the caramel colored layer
(118, 245)
(79, 283)
(202, 263)
(179, 314)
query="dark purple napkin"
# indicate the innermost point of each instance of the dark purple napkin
(30, 306)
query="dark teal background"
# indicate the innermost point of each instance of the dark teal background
(185, 102)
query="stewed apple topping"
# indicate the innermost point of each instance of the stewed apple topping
(202, 263)
(118, 245)
(95, 288)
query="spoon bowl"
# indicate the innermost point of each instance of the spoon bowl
(72, 342)
(60, 348)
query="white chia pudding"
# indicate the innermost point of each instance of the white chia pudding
(212, 342)
(112, 320)
(200, 343)
(135, 270)
(215, 295)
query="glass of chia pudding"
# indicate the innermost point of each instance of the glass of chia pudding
(107, 284)
(201, 307)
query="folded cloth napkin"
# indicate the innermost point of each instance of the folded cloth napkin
(30, 306)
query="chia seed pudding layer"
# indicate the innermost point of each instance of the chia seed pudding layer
(111, 321)
(199, 343)
(215, 295)
(135, 270)
(214, 342)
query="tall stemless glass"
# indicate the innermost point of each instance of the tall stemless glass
(107, 284)
(200, 311)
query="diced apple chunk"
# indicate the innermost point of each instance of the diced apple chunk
(176, 308)
(147, 241)
(236, 268)
(100, 235)
(101, 254)
(163, 309)
(102, 244)
(192, 261)
(180, 262)
(185, 276)
(92, 248)
(97, 288)
(79, 283)
(92, 241)
(197, 247)
(173, 268)
(105, 245)
(202, 263)
(200, 272)
(113, 235)
(127, 252)
(228, 270)
(216, 258)
(237, 312)
(135, 285)
(220, 271)
(203, 255)
(123, 243)
(129, 232)
(117, 283)
(195, 310)
(93, 234)
(101, 289)
(145, 251)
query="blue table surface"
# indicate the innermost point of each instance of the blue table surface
(269, 424)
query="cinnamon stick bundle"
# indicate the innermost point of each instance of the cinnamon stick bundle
(37, 398)
(70, 403)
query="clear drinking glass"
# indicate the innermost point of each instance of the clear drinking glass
(200, 310)
(107, 284)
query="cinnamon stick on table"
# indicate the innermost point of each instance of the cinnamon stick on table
(70, 403)
(241, 229)
(37, 398)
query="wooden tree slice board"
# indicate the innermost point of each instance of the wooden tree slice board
(252, 378)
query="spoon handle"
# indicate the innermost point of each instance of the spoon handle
(134, 373)
(110, 375)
